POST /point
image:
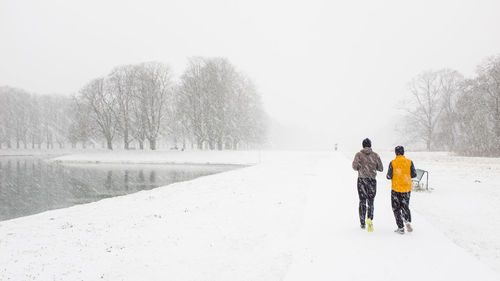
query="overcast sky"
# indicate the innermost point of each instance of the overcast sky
(336, 70)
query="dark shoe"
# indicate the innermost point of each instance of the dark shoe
(363, 226)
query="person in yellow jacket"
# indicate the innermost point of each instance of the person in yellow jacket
(401, 171)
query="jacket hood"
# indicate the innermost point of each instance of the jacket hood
(366, 150)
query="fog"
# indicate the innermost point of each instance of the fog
(328, 72)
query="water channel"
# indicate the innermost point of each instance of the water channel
(30, 185)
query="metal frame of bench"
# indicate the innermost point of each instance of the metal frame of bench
(420, 174)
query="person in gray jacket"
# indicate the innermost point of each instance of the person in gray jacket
(367, 163)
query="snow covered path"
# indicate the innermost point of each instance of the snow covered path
(331, 245)
(293, 217)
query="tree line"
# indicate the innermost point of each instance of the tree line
(211, 106)
(447, 111)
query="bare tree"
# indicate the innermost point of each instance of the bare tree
(62, 121)
(47, 120)
(8, 111)
(489, 79)
(248, 121)
(214, 106)
(103, 106)
(29, 118)
(222, 79)
(190, 100)
(181, 123)
(453, 113)
(82, 127)
(35, 131)
(21, 117)
(122, 83)
(479, 113)
(475, 131)
(138, 123)
(425, 105)
(220, 105)
(451, 83)
(155, 98)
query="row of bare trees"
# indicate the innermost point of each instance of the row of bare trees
(33, 121)
(211, 106)
(447, 111)
(133, 102)
(218, 106)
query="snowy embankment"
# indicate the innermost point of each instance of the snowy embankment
(292, 217)
(164, 157)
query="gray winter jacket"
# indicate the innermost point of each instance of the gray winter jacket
(367, 163)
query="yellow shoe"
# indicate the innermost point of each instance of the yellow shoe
(369, 224)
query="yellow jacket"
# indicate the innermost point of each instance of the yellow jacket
(401, 170)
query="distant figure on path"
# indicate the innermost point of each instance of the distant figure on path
(367, 163)
(401, 170)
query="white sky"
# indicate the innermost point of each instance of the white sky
(334, 69)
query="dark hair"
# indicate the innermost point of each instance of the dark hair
(400, 150)
(367, 143)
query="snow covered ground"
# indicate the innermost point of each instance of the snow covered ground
(291, 217)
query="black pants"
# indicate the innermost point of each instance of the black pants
(401, 207)
(367, 189)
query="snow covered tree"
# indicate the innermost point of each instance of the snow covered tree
(220, 105)
(479, 113)
(154, 97)
(35, 116)
(190, 100)
(60, 118)
(474, 136)
(103, 108)
(8, 111)
(489, 83)
(32, 119)
(221, 78)
(248, 121)
(81, 128)
(122, 83)
(138, 123)
(451, 82)
(450, 112)
(20, 116)
(214, 106)
(432, 93)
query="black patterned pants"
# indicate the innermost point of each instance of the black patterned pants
(367, 189)
(401, 207)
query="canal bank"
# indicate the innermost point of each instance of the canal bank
(237, 223)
